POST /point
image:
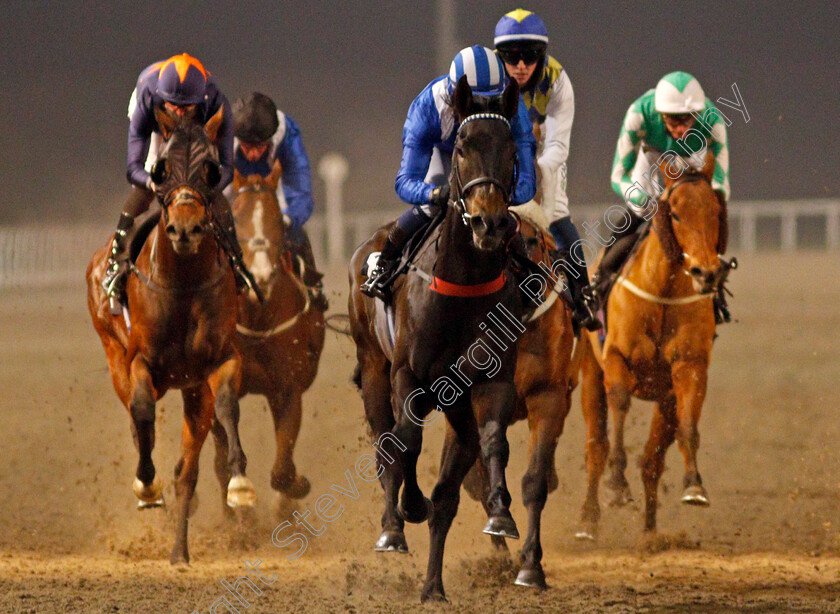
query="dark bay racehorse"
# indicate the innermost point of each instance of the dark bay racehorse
(661, 327)
(280, 339)
(543, 397)
(442, 354)
(182, 298)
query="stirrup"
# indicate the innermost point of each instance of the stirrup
(585, 309)
(374, 286)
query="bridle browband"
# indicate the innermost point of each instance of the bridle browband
(458, 201)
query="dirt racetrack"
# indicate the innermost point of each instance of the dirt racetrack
(71, 540)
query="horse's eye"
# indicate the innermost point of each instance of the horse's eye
(675, 217)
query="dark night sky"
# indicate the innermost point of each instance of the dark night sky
(346, 72)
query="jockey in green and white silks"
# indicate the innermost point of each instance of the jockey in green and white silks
(521, 41)
(696, 126)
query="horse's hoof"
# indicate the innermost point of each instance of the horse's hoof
(419, 515)
(503, 526)
(391, 541)
(299, 488)
(696, 495)
(622, 497)
(587, 531)
(240, 492)
(532, 578)
(150, 495)
(179, 559)
(435, 595)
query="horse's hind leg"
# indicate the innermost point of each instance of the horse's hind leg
(547, 412)
(459, 453)
(375, 383)
(594, 403)
(224, 383)
(198, 418)
(147, 485)
(690, 378)
(662, 429)
(220, 464)
(286, 409)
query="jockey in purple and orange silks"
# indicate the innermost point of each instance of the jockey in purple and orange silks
(180, 87)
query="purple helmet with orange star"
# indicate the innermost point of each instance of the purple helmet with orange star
(182, 80)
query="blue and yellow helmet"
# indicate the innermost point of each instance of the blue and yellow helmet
(520, 25)
(483, 68)
(182, 80)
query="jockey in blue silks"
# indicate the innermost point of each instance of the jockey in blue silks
(179, 87)
(428, 140)
(264, 135)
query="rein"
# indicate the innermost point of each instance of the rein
(286, 324)
(461, 188)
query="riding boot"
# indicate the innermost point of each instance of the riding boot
(113, 281)
(379, 279)
(226, 235)
(584, 306)
(301, 249)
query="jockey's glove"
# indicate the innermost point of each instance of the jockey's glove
(440, 196)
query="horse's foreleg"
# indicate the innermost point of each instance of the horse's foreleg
(286, 409)
(477, 485)
(376, 392)
(220, 464)
(690, 379)
(493, 403)
(147, 485)
(408, 399)
(459, 453)
(593, 399)
(198, 418)
(619, 384)
(225, 382)
(662, 428)
(547, 412)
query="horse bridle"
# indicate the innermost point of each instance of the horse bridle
(458, 200)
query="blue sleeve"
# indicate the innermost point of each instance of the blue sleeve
(224, 138)
(526, 144)
(420, 134)
(297, 176)
(140, 127)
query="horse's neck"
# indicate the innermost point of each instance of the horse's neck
(654, 272)
(459, 261)
(170, 269)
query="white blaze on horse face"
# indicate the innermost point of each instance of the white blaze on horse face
(258, 244)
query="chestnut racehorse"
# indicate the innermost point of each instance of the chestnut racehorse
(661, 325)
(543, 396)
(281, 339)
(440, 312)
(182, 299)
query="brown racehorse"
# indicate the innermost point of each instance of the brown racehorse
(182, 298)
(437, 358)
(543, 396)
(661, 327)
(281, 339)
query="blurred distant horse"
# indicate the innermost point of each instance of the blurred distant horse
(280, 339)
(661, 325)
(182, 300)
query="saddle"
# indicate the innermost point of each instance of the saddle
(141, 231)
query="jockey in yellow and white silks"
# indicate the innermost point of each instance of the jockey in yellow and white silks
(521, 41)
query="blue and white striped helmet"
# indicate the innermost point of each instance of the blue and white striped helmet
(520, 25)
(483, 68)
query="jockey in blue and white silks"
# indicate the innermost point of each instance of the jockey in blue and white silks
(521, 40)
(263, 136)
(428, 140)
(178, 87)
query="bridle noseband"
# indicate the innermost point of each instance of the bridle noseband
(458, 200)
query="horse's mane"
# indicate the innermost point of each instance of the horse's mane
(665, 231)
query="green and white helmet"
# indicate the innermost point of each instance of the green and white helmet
(678, 92)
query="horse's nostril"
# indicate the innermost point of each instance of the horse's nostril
(170, 229)
(695, 270)
(504, 223)
(478, 224)
(196, 230)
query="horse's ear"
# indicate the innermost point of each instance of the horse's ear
(708, 165)
(214, 123)
(510, 99)
(671, 167)
(462, 98)
(165, 122)
(238, 180)
(274, 177)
